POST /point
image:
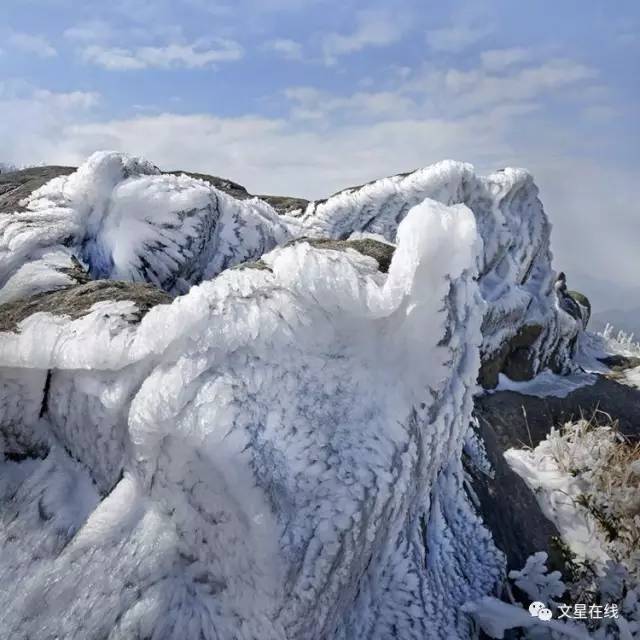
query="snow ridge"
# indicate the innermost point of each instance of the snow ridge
(272, 514)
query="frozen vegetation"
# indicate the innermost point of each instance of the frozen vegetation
(272, 446)
(587, 480)
(586, 477)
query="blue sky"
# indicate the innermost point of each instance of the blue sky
(304, 98)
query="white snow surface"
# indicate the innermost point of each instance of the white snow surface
(516, 278)
(547, 383)
(632, 377)
(557, 492)
(276, 453)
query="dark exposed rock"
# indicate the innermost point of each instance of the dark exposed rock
(381, 252)
(514, 358)
(285, 204)
(227, 186)
(282, 204)
(17, 185)
(521, 420)
(76, 301)
(570, 306)
(256, 264)
(508, 419)
(509, 508)
(618, 363)
(584, 303)
(77, 272)
(365, 184)
(574, 303)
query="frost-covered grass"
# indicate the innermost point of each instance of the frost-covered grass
(586, 476)
(620, 342)
(607, 465)
(7, 167)
(608, 604)
(10, 167)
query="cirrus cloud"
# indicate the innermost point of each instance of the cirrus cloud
(188, 56)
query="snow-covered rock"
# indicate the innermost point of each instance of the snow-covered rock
(291, 453)
(126, 221)
(272, 447)
(524, 328)
(123, 219)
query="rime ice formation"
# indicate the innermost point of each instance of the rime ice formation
(126, 221)
(516, 278)
(276, 453)
(122, 219)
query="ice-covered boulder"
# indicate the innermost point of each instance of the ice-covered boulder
(121, 218)
(222, 421)
(292, 453)
(524, 328)
(85, 410)
(125, 220)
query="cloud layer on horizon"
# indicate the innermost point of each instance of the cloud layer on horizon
(311, 111)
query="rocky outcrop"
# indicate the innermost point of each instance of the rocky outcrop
(523, 420)
(515, 358)
(512, 420)
(69, 402)
(77, 301)
(381, 252)
(207, 224)
(508, 507)
(584, 305)
(267, 410)
(279, 447)
(619, 363)
(15, 186)
(525, 329)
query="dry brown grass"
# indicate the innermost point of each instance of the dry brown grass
(608, 466)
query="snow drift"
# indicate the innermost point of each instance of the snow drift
(277, 452)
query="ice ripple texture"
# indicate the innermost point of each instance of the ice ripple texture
(277, 452)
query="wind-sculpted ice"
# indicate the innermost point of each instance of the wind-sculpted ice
(272, 451)
(515, 274)
(118, 217)
(285, 444)
(124, 220)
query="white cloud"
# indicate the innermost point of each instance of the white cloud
(271, 156)
(332, 141)
(461, 91)
(113, 58)
(501, 59)
(375, 28)
(72, 100)
(289, 49)
(32, 121)
(31, 43)
(455, 39)
(189, 56)
(312, 104)
(93, 31)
